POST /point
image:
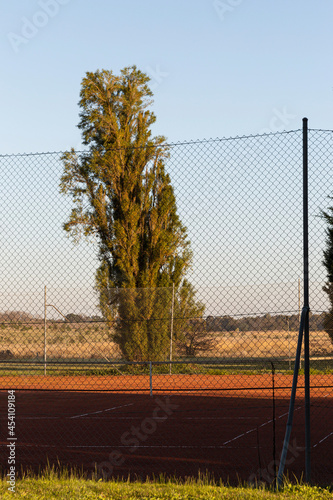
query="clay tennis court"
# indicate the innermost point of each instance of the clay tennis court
(220, 424)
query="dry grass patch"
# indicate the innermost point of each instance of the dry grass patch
(94, 341)
(277, 343)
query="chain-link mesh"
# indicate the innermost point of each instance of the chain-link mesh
(146, 381)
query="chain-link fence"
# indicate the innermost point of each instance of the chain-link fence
(178, 378)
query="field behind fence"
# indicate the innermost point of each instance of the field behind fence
(94, 343)
(216, 398)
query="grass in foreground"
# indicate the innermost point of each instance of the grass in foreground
(71, 486)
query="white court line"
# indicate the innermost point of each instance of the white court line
(220, 418)
(100, 411)
(328, 435)
(184, 418)
(41, 418)
(124, 446)
(46, 417)
(252, 430)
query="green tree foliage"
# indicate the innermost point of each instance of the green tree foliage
(191, 335)
(76, 318)
(328, 263)
(124, 199)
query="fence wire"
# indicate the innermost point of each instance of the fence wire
(139, 381)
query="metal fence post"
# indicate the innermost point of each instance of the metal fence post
(45, 330)
(299, 312)
(151, 378)
(303, 331)
(306, 302)
(171, 327)
(292, 401)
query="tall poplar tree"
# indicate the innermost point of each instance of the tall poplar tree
(328, 263)
(124, 199)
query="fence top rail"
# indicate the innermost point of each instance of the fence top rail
(171, 144)
(203, 362)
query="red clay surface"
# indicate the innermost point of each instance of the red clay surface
(256, 384)
(219, 424)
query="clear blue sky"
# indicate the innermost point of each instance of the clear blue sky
(224, 68)
(219, 68)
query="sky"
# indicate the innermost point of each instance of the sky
(218, 68)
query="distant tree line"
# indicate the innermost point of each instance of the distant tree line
(16, 317)
(195, 329)
(79, 318)
(24, 317)
(261, 323)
